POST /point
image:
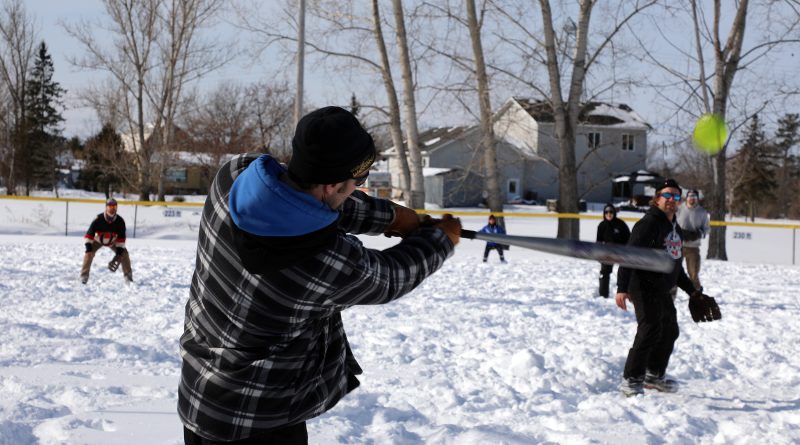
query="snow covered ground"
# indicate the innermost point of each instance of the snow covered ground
(520, 353)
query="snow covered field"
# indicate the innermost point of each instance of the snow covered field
(480, 353)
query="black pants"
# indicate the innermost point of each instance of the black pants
(291, 435)
(655, 335)
(605, 278)
(490, 248)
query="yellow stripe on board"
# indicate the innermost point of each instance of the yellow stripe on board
(103, 201)
(424, 211)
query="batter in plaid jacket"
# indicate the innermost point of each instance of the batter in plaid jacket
(264, 347)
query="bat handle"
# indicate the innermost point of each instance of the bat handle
(468, 234)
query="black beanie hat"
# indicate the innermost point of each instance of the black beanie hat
(330, 146)
(610, 208)
(668, 183)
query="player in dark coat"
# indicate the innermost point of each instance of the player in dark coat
(611, 230)
(107, 230)
(650, 293)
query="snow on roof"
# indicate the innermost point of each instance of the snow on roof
(431, 142)
(621, 112)
(592, 113)
(432, 171)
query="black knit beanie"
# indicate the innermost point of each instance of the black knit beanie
(668, 183)
(330, 146)
(610, 208)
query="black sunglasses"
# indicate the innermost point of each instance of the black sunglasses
(361, 180)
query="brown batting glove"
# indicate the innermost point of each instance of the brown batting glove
(405, 221)
(451, 227)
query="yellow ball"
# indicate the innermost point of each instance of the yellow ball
(710, 133)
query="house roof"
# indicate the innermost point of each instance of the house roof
(434, 138)
(592, 113)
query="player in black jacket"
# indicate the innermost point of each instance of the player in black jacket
(611, 230)
(108, 230)
(650, 294)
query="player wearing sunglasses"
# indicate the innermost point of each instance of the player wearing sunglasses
(650, 293)
(264, 347)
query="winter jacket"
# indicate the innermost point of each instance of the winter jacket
(489, 228)
(655, 231)
(613, 232)
(695, 224)
(108, 233)
(263, 344)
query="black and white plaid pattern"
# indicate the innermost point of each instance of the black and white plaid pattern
(262, 351)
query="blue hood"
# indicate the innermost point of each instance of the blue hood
(262, 205)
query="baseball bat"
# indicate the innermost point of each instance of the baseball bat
(627, 256)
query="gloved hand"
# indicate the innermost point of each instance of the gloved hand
(703, 308)
(88, 247)
(113, 265)
(451, 227)
(405, 221)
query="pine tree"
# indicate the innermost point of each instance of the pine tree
(756, 169)
(103, 152)
(42, 102)
(787, 141)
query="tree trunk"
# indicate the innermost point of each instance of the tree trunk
(566, 113)
(726, 65)
(417, 200)
(395, 123)
(301, 51)
(495, 199)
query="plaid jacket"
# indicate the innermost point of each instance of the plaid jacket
(265, 347)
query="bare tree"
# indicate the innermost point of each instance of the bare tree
(566, 109)
(17, 50)
(156, 52)
(270, 105)
(395, 124)
(223, 123)
(417, 200)
(495, 199)
(697, 90)
(343, 35)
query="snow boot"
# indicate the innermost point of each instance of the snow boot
(603, 286)
(632, 387)
(659, 383)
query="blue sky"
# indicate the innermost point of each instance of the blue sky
(321, 87)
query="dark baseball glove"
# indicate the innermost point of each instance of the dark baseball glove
(113, 265)
(703, 308)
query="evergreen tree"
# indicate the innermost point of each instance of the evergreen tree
(787, 141)
(102, 152)
(42, 101)
(755, 166)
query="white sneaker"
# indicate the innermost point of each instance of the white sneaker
(661, 384)
(632, 387)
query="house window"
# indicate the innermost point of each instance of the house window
(512, 186)
(627, 142)
(176, 175)
(594, 139)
